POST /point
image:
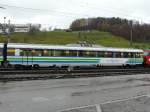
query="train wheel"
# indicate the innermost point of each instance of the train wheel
(70, 68)
(36, 66)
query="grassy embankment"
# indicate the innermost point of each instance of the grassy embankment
(60, 37)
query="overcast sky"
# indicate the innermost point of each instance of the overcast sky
(60, 13)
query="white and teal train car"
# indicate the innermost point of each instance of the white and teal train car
(56, 55)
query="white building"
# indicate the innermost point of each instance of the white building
(23, 27)
(26, 27)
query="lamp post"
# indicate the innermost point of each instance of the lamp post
(5, 63)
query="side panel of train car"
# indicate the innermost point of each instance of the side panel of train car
(50, 57)
(146, 57)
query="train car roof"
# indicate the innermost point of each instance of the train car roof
(147, 50)
(63, 47)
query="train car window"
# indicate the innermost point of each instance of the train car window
(35, 52)
(105, 54)
(17, 52)
(117, 54)
(109, 54)
(29, 53)
(66, 53)
(83, 54)
(91, 53)
(21, 52)
(45, 52)
(40, 52)
(146, 53)
(137, 55)
(126, 55)
(26, 52)
(129, 55)
(1, 51)
(141, 55)
(11, 52)
(50, 52)
(73, 53)
(87, 54)
(58, 53)
(100, 54)
(122, 55)
(133, 55)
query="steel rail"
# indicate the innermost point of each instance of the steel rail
(55, 74)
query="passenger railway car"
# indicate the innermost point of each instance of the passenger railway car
(147, 57)
(56, 55)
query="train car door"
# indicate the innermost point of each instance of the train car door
(27, 57)
(133, 58)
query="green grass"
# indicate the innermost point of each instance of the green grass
(62, 38)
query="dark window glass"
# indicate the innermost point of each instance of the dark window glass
(109, 54)
(58, 52)
(87, 53)
(28, 52)
(133, 55)
(48, 52)
(129, 55)
(91, 53)
(141, 55)
(118, 54)
(101, 54)
(65, 53)
(82, 54)
(121, 54)
(146, 53)
(72, 53)
(138, 55)
(126, 55)
(37, 52)
(11, 52)
(105, 54)
(45, 52)
(1, 51)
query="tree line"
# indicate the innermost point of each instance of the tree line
(117, 26)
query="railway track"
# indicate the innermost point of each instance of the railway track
(46, 73)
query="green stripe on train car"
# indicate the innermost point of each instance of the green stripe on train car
(140, 60)
(51, 58)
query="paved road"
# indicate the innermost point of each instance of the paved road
(55, 95)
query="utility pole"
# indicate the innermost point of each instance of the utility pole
(131, 33)
(4, 62)
(86, 24)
